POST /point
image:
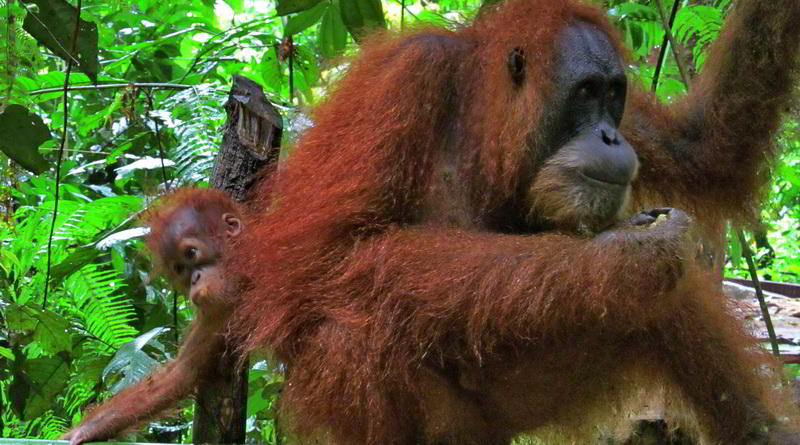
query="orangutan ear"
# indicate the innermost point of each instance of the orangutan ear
(233, 225)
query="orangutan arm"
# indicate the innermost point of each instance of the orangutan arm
(494, 286)
(708, 151)
(147, 398)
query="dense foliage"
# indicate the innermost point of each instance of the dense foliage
(81, 313)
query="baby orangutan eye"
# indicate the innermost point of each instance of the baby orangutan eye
(190, 253)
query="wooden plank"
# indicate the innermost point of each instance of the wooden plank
(4, 441)
(788, 289)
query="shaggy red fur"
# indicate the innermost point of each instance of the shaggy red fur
(408, 306)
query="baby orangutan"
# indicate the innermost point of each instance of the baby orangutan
(190, 230)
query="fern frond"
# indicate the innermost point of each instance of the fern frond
(198, 116)
(696, 26)
(46, 426)
(105, 314)
(79, 393)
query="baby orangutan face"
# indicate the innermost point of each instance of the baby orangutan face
(192, 251)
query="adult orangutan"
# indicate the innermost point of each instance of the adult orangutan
(190, 230)
(449, 259)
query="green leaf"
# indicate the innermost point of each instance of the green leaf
(789, 174)
(132, 361)
(306, 71)
(48, 376)
(77, 258)
(236, 5)
(634, 11)
(54, 26)
(332, 32)
(303, 20)
(289, 6)
(5, 352)
(271, 70)
(83, 255)
(49, 330)
(362, 16)
(21, 134)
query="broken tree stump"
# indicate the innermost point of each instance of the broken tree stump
(250, 148)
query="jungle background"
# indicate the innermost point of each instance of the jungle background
(82, 314)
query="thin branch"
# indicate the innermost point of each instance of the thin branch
(751, 265)
(208, 46)
(402, 13)
(668, 29)
(72, 150)
(110, 86)
(161, 156)
(662, 55)
(175, 329)
(11, 54)
(405, 8)
(672, 43)
(61, 153)
(291, 70)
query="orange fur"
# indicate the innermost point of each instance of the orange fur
(210, 205)
(204, 344)
(393, 279)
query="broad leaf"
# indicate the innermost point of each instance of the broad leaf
(48, 329)
(21, 134)
(54, 26)
(305, 19)
(236, 5)
(48, 376)
(289, 6)
(362, 16)
(332, 32)
(131, 361)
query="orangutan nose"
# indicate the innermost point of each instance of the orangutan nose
(609, 159)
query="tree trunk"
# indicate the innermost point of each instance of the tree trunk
(250, 148)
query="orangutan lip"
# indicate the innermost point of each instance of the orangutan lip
(603, 182)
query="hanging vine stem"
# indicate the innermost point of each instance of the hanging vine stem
(670, 38)
(11, 53)
(161, 156)
(746, 252)
(291, 70)
(751, 265)
(662, 55)
(402, 13)
(175, 330)
(70, 60)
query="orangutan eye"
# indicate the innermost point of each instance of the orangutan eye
(191, 253)
(516, 65)
(589, 89)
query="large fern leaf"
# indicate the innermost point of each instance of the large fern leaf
(197, 119)
(103, 311)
